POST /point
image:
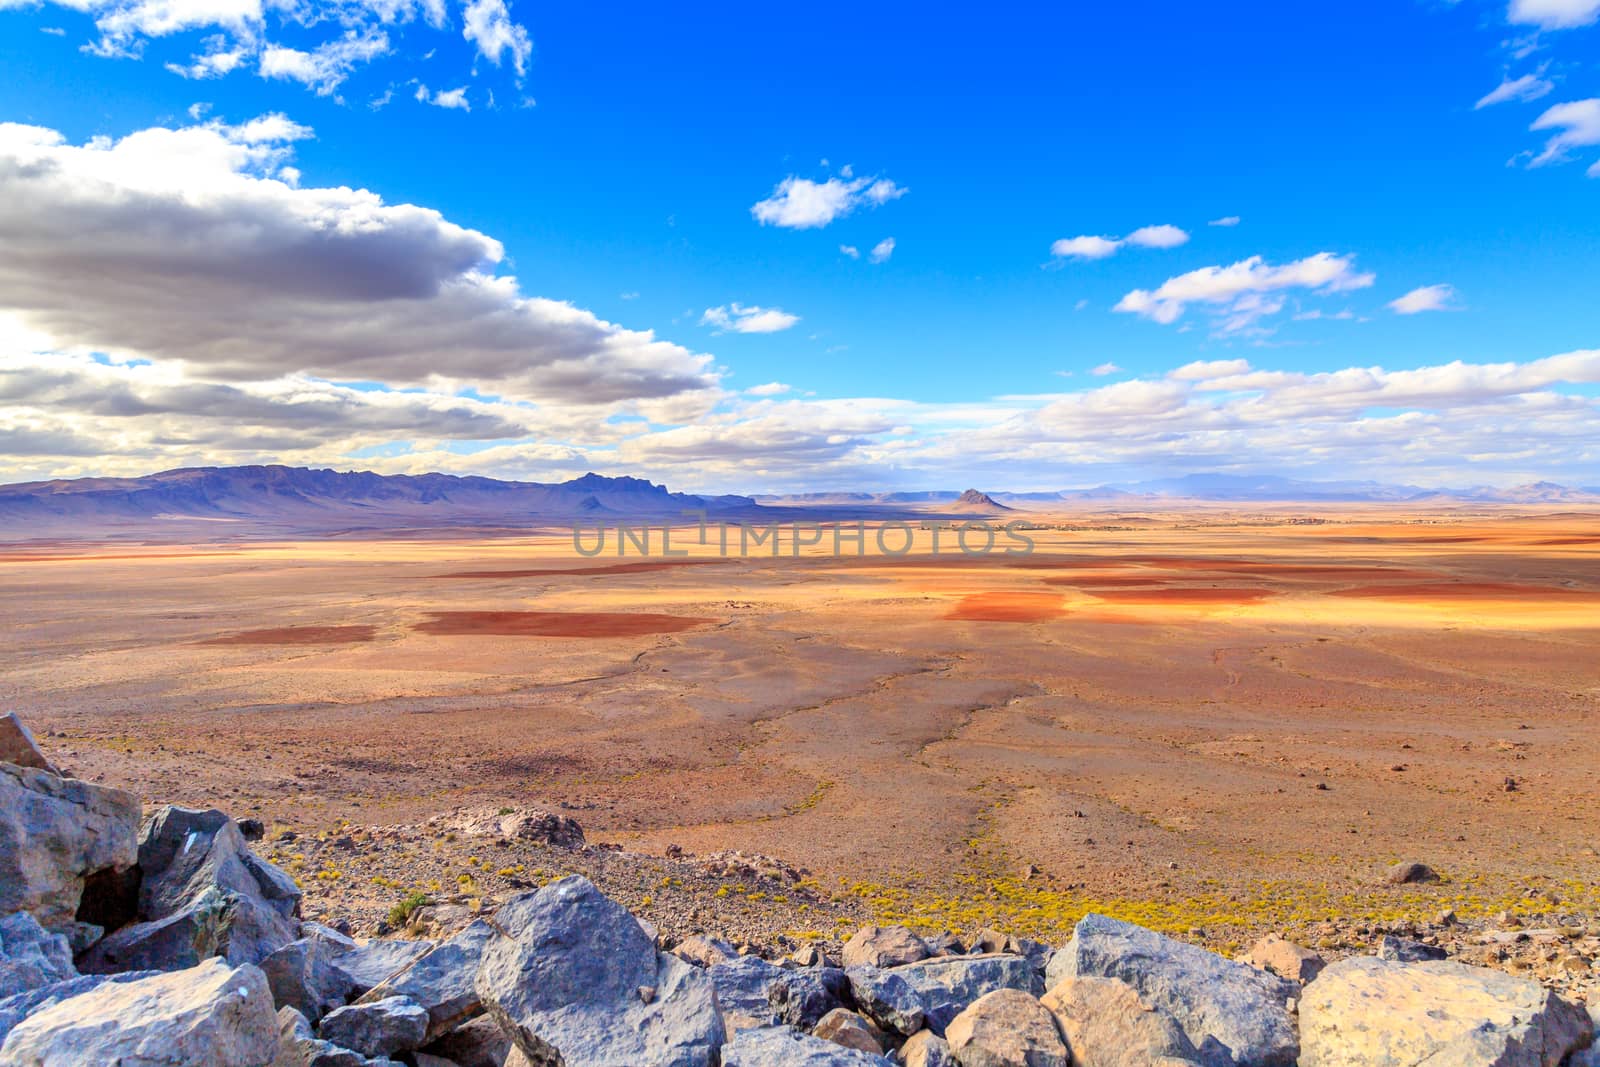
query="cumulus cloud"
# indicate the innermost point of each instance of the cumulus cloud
(882, 251)
(488, 25)
(747, 318)
(1554, 14)
(450, 99)
(1527, 87)
(326, 67)
(1092, 247)
(1577, 124)
(177, 244)
(1427, 298)
(803, 204)
(1245, 292)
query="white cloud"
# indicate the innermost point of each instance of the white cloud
(1528, 87)
(452, 99)
(1554, 14)
(802, 204)
(1578, 123)
(1206, 370)
(487, 24)
(882, 250)
(769, 389)
(747, 318)
(187, 247)
(1104, 369)
(1091, 247)
(1427, 298)
(1226, 220)
(326, 67)
(850, 250)
(1240, 293)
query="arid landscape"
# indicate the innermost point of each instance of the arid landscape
(1208, 721)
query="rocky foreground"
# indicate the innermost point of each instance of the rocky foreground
(166, 940)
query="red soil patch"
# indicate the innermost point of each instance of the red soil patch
(1008, 607)
(609, 568)
(1467, 591)
(1183, 596)
(1570, 541)
(1071, 564)
(555, 623)
(299, 635)
(1105, 581)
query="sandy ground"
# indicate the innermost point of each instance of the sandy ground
(1199, 721)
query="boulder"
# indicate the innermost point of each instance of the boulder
(379, 1028)
(844, 1027)
(572, 979)
(704, 951)
(1401, 950)
(883, 946)
(1410, 873)
(1589, 1057)
(18, 746)
(1231, 1012)
(305, 976)
(380, 959)
(948, 984)
(743, 986)
(55, 834)
(927, 1049)
(16, 1008)
(442, 980)
(809, 956)
(31, 956)
(1006, 1028)
(1368, 1012)
(298, 1047)
(783, 1046)
(887, 999)
(1105, 1024)
(1285, 959)
(212, 1015)
(475, 1043)
(802, 998)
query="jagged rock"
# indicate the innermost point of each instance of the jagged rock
(315, 931)
(441, 980)
(304, 975)
(1410, 873)
(475, 1043)
(948, 984)
(809, 956)
(883, 946)
(946, 944)
(1589, 1057)
(80, 935)
(1231, 1012)
(55, 834)
(802, 998)
(1285, 959)
(887, 999)
(927, 1049)
(298, 1047)
(575, 980)
(424, 1059)
(203, 893)
(844, 1027)
(742, 986)
(212, 1015)
(16, 1008)
(1367, 1012)
(18, 746)
(379, 1028)
(1400, 950)
(30, 956)
(704, 951)
(783, 1046)
(379, 959)
(1006, 1028)
(1106, 1025)
(513, 824)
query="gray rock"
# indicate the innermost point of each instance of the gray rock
(742, 986)
(802, 998)
(475, 1043)
(304, 975)
(393, 1024)
(1231, 1012)
(1105, 1024)
(1368, 1012)
(883, 946)
(17, 1008)
(927, 1049)
(783, 1046)
(298, 1047)
(1589, 1057)
(212, 1015)
(55, 833)
(30, 956)
(1410, 873)
(844, 1027)
(887, 999)
(380, 959)
(1006, 1028)
(80, 935)
(18, 746)
(1400, 950)
(704, 951)
(575, 981)
(948, 984)
(441, 980)
(315, 931)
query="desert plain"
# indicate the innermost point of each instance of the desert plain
(1208, 721)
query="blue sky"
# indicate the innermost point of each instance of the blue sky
(615, 160)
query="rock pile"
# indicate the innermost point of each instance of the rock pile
(170, 942)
